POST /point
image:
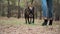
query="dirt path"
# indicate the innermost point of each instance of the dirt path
(8, 26)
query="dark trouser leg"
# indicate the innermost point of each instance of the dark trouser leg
(45, 22)
(50, 22)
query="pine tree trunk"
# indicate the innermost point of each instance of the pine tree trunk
(57, 12)
(9, 14)
(3, 13)
(19, 14)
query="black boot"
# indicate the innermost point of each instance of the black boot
(45, 22)
(50, 22)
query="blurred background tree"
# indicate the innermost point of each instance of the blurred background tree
(15, 8)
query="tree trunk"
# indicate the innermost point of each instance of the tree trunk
(57, 16)
(0, 9)
(3, 13)
(32, 1)
(19, 14)
(40, 15)
(9, 13)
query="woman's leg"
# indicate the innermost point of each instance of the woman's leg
(44, 9)
(50, 11)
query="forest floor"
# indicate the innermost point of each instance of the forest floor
(18, 26)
